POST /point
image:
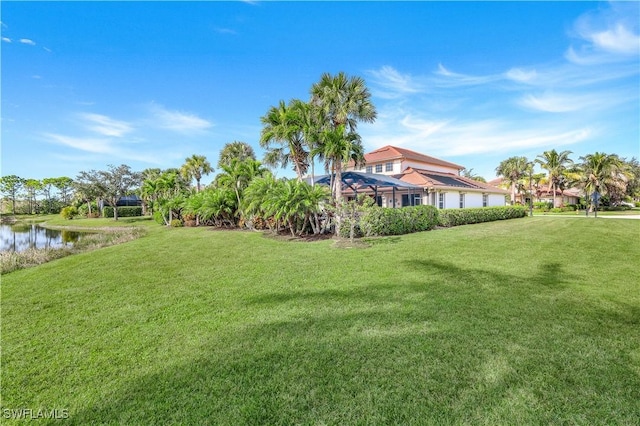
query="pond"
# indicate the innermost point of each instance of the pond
(22, 236)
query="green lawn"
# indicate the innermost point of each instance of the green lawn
(528, 321)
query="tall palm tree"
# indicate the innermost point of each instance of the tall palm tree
(601, 173)
(337, 147)
(236, 149)
(342, 102)
(513, 169)
(283, 125)
(555, 163)
(194, 167)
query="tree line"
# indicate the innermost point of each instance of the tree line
(294, 133)
(601, 177)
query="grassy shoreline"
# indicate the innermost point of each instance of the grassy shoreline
(104, 236)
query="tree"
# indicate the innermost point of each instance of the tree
(283, 125)
(633, 184)
(64, 185)
(555, 164)
(194, 167)
(512, 169)
(601, 174)
(237, 177)
(337, 147)
(32, 187)
(342, 102)
(10, 186)
(88, 187)
(47, 186)
(236, 149)
(468, 173)
(117, 182)
(170, 191)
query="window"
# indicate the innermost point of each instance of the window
(417, 200)
(441, 200)
(378, 168)
(369, 169)
(485, 200)
(388, 167)
(462, 201)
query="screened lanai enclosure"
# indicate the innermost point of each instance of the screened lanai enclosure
(387, 191)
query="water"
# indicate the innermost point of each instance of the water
(22, 236)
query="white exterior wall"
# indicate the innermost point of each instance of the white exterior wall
(472, 199)
(496, 200)
(429, 166)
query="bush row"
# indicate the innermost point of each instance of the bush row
(385, 221)
(124, 211)
(456, 217)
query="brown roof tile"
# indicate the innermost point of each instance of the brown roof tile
(393, 152)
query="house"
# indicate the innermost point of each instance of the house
(542, 193)
(439, 181)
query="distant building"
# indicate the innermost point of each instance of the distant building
(440, 181)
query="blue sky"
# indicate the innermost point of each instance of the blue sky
(87, 84)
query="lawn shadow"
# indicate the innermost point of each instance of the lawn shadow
(393, 353)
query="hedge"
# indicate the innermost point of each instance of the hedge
(124, 211)
(456, 217)
(379, 221)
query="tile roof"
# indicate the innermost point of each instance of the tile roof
(436, 180)
(393, 152)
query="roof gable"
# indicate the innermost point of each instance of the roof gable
(393, 152)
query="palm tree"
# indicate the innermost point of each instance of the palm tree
(468, 173)
(194, 167)
(283, 125)
(336, 148)
(513, 169)
(237, 177)
(601, 173)
(555, 164)
(236, 149)
(342, 102)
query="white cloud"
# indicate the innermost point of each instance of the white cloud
(393, 82)
(105, 125)
(27, 41)
(100, 146)
(520, 75)
(453, 79)
(178, 121)
(606, 35)
(107, 149)
(459, 137)
(6, 39)
(567, 102)
(618, 39)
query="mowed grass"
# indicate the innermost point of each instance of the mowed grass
(528, 321)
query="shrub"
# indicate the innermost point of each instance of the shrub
(176, 223)
(69, 212)
(83, 210)
(456, 217)
(157, 216)
(124, 211)
(379, 221)
(542, 205)
(637, 203)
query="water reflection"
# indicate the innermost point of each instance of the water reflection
(22, 236)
